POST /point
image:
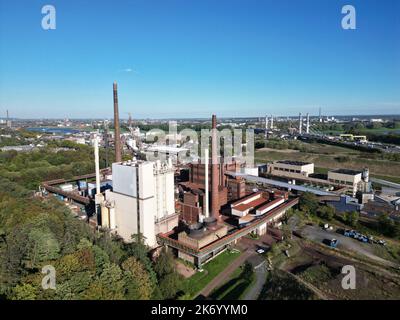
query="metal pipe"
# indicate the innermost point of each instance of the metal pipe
(117, 135)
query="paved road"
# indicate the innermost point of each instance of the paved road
(224, 275)
(261, 275)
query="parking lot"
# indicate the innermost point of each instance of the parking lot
(318, 234)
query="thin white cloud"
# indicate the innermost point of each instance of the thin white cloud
(128, 70)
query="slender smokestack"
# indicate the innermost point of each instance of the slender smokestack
(308, 124)
(117, 136)
(300, 123)
(272, 122)
(214, 169)
(96, 161)
(206, 206)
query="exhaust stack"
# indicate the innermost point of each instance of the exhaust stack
(117, 136)
(97, 166)
(308, 124)
(206, 210)
(98, 197)
(300, 123)
(214, 169)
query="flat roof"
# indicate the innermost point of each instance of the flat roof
(252, 195)
(293, 162)
(346, 171)
(252, 204)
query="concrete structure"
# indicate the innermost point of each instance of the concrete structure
(250, 170)
(142, 200)
(199, 252)
(350, 178)
(236, 188)
(291, 169)
(256, 205)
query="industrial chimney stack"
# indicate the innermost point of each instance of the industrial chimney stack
(300, 123)
(117, 136)
(214, 170)
(308, 124)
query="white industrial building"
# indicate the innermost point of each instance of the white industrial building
(291, 169)
(142, 200)
(352, 179)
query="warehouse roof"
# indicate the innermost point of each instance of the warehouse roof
(293, 163)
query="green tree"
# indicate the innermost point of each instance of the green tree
(108, 286)
(308, 203)
(326, 212)
(170, 282)
(170, 285)
(165, 263)
(42, 245)
(388, 227)
(138, 283)
(351, 218)
(24, 292)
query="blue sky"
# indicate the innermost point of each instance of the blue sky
(189, 58)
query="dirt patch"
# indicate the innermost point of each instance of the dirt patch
(323, 271)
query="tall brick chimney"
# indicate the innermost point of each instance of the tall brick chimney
(117, 135)
(214, 170)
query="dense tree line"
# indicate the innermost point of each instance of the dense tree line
(38, 232)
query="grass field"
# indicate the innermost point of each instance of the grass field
(281, 285)
(194, 284)
(235, 288)
(333, 157)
